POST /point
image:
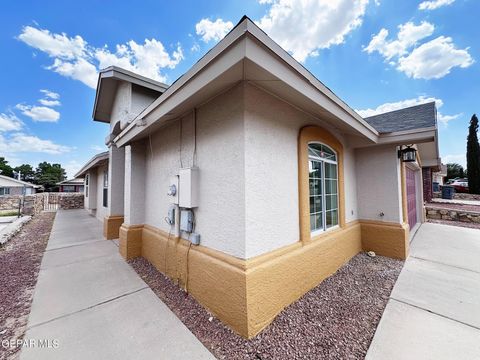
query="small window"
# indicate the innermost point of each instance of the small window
(323, 183)
(105, 188)
(4, 191)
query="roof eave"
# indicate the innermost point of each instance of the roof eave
(238, 33)
(119, 74)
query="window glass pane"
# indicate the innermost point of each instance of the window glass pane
(330, 171)
(331, 202)
(315, 168)
(316, 221)
(332, 218)
(312, 223)
(312, 204)
(321, 151)
(331, 187)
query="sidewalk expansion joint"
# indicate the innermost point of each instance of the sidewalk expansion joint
(434, 313)
(441, 263)
(88, 308)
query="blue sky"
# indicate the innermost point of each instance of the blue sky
(377, 55)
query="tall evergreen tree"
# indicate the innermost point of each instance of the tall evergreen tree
(473, 157)
(5, 169)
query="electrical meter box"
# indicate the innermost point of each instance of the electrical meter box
(188, 187)
(173, 190)
(186, 221)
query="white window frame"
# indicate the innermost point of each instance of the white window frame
(324, 212)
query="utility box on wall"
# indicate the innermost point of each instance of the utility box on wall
(188, 187)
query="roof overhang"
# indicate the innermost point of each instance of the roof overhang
(19, 183)
(106, 89)
(247, 54)
(97, 160)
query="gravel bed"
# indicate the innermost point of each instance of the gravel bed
(20, 260)
(335, 320)
(455, 223)
(452, 206)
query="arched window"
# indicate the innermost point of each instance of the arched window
(323, 184)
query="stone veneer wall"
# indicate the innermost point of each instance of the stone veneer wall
(33, 204)
(454, 215)
(68, 201)
(459, 196)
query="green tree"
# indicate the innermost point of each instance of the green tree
(48, 175)
(454, 171)
(473, 157)
(5, 169)
(26, 172)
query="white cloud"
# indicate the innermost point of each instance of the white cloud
(408, 35)
(50, 98)
(434, 4)
(392, 106)
(455, 158)
(50, 103)
(73, 57)
(80, 70)
(213, 30)
(445, 119)
(431, 60)
(39, 113)
(20, 142)
(72, 167)
(55, 45)
(303, 27)
(9, 122)
(98, 148)
(50, 94)
(434, 59)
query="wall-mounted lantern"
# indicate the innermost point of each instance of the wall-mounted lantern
(408, 154)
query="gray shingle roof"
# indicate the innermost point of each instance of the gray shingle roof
(415, 117)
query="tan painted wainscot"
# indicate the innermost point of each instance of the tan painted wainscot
(248, 294)
(111, 226)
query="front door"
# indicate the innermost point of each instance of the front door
(411, 198)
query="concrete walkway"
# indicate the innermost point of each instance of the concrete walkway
(90, 301)
(434, 308)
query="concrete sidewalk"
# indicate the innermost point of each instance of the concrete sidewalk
(434, 308)
(95, 306)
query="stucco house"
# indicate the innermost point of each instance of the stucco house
(248, 182)
(95, 180)
(71, 185)
(11, 186)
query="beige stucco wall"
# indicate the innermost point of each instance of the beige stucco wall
(129, 101)
(101, 211)
(271, 171)
(220, 218)
(379, 183)
(248, 161)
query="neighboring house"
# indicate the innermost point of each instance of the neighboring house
(252, 157)
(72, 185)
(95, 179)
(11, 186)
(439, 176)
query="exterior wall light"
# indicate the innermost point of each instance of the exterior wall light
(408, 154)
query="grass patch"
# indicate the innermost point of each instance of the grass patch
(9, 213)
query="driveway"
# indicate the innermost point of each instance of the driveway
(434, 308)
(91, 304)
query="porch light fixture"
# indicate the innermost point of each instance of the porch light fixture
(408, 154)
